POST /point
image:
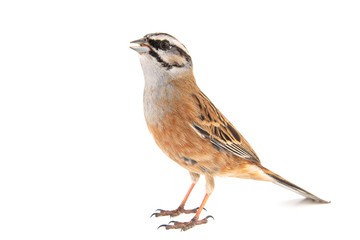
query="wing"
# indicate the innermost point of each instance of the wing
(212, 125)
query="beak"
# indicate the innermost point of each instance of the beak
(142, 48)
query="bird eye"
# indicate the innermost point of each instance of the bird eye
(165, 45)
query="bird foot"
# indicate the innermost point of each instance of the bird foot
(185, 225)
(174, 213)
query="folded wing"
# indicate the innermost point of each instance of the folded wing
(213, 126)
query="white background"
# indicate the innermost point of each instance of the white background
(77, 161)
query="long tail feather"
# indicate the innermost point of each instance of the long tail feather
(286, 184)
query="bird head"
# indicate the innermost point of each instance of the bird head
(162, 52)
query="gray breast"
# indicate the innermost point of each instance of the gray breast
(158, 101)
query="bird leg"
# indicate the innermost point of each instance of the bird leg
(180, 209)
(193, 222)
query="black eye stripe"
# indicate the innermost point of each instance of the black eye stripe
(165, 45)
(154, 43)
(160, 44)
(157, 44)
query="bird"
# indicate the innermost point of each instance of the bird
(190, 130)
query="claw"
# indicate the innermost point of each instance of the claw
(173, 213)
(157, 211)
(207, 217)
(164, 225)
(185, 225)
(168, 226)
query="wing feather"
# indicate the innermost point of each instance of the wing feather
(212, 125)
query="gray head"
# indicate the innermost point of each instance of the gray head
(163, 52)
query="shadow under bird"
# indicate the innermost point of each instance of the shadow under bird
(189, 129)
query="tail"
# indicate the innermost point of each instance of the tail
(286, 184)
